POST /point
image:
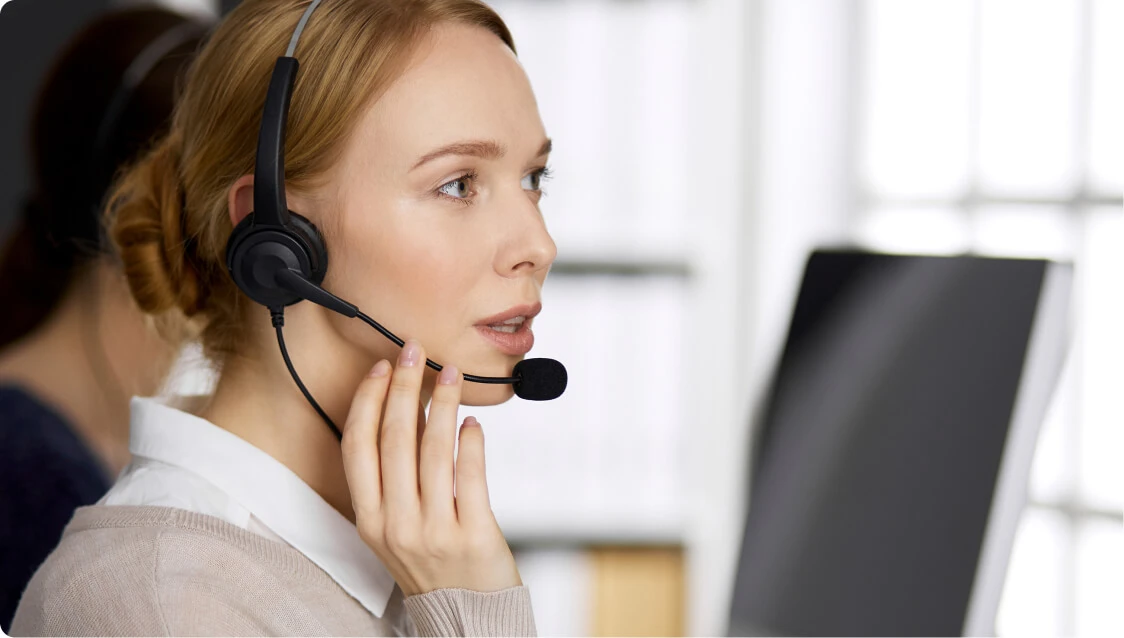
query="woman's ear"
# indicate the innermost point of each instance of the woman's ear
(240, 199)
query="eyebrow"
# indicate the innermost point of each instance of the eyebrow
(486, 149)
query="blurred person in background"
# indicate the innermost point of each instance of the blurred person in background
(73, 346)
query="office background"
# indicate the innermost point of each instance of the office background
(703, 147)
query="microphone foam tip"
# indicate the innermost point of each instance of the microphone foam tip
(539, 379)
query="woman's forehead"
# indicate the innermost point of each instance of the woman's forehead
(462, 82)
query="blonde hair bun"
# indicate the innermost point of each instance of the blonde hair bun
(148, 233)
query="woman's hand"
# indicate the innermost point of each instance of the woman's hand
(401, 475)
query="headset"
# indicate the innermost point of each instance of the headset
(278, 257)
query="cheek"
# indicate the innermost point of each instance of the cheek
(416, 274)
(428, 271)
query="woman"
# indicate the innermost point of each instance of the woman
(415, 146)
(73, 346)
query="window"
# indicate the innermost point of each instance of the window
(987, 126)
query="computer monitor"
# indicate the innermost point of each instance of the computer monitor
(891, 462)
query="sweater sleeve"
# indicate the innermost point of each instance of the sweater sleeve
(462, 612)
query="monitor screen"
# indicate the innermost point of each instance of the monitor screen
(876, 461)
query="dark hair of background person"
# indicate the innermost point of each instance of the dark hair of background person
(58, 231)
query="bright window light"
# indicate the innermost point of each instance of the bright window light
(1028, 92)
(933, 231)
(917, 92)
(1024, 231)
(1100, 578)
(1102, 324)
(1036, 576)
(1106, 127)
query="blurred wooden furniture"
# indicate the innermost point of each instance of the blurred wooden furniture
(638, 591)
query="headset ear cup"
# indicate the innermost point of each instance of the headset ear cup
(311, 238)
(253, 253)
(240, 232)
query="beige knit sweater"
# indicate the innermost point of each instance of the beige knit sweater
(159, 571)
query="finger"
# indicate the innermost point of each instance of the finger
(398, 447)
(360, 441)
(472, 485)
(437, 446)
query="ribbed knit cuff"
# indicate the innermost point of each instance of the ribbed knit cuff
(462, 612)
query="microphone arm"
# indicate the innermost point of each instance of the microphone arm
(533, 379)
(295, 283)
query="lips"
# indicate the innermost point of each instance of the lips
(526, 310)
(510, 331)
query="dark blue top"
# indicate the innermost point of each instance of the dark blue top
(46, 472)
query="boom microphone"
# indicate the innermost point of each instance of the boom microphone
(539, 379)
(532, 379)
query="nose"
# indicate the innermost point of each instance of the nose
(527, 247)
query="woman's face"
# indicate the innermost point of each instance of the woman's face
(438, 231)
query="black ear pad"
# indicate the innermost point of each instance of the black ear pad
(317, 249)
(254, 254)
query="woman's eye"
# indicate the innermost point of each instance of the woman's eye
(533, 181)
(458, 188)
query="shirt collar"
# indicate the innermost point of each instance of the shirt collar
(269, 490)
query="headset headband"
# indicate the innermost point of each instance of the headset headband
(270, 206)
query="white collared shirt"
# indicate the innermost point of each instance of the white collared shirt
(183, 461)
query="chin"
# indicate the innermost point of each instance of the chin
(481, 394)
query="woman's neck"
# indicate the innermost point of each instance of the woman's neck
(84, 362)
(257, 399)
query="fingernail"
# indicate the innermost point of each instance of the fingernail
(381, 369)
(448, 375)
(470, 421)
(411, 352)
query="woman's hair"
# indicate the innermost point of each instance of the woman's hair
(170, 220)
(76, 145)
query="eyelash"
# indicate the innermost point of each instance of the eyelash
(470, 176)
(544, 176)
(544, 173)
